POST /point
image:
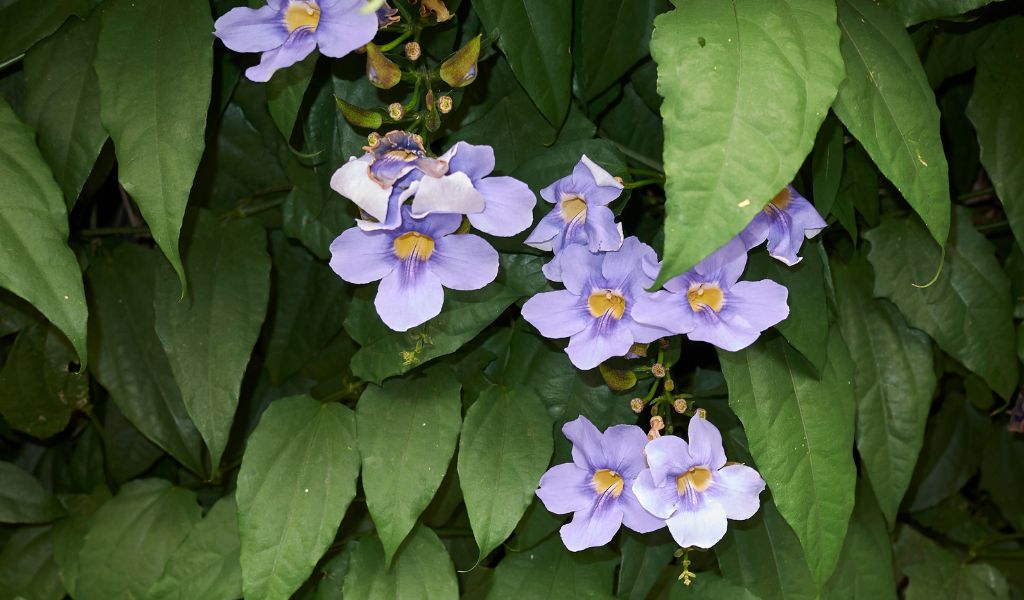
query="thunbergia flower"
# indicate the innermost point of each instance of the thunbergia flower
(414, 263)
(597, 485)
(595, 310)
(710, 304)
(785, 221)
(286, 31)
(691, 487)
(581, 214)
(501, 206)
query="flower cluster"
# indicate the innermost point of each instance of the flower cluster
(620, 478)
(411, 235)
(605, 307)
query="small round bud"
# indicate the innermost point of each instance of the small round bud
(658, 370)
(373, 139)
(444, 104)
(670, 385)
(396, 111)
(637, 404)
(413, 51)
(657, 423)
(639, 349)
(702, 413)
(679, 405)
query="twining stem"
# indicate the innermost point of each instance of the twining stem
(395, 42)
(642, 182)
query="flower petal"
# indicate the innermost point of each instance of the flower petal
(566, 488)
(251, 30)
(603, 234)
(593, 526)
(701, 527)
(603, 338)
(736, 488)
(624, 449)
(659, 500)
(664, 310)
(726, 330)
(635, 516)
(452, 193)
(297, 47)
(476, 161)
(756, 232)
(463, 262)
(545, 231)
(624, 267)
(556, 314)
(508, 206)
(353, 181)
(668, 457)
(344, 27)
(705, 444)
(762, 304)
(579, 267)
(411, 295)
(725, 265)
(587, 450)
(361, 257)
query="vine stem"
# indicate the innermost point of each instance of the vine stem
(395, 42)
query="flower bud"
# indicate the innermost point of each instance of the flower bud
(658, 370)
(670, 385)
(459, 69)
(637, 404)
(359, 117)
(657, 423)
(679, 405)
(639, 349)
(396, 111)
(703, 414)
(380, 70)
(372, 140)
(413, 51)
(444, 104)
(663, 343)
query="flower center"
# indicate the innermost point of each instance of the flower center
(302, 14)
(705, 294)
(697, 479)
(602, 302)
(414, 244)
(572, 208)
(608, 480)
(779, 202)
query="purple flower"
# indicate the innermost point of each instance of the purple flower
(414, 262)
(597, 485)
(386, 15)
(286, 31)
(784, 222)
(692, 488)
(581, 214)
(595, 308)
(710, 305)
(500, 206)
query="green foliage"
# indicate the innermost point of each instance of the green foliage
(421, 569)
(23, 499)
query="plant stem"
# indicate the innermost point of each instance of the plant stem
(976, 194)
(640, 158)
(11, 61)
(642, 182)
(395, 42)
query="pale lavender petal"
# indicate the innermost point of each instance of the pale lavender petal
(725, 265)
(664, 310)
(645, 334)
(634, 516)
(411, 295)
(579, 266)
(727, 331)
(659, 500)
(463, 262)
(566, 488)
(604, 338)
(394, 212)
(297, 47)
(756, 232)
(736, 488)
(762, 304)
(545, 231)
(668, 457)
(624, 449)
(553, 268)
(601, 187)
(705, 444)
(603, 234)
(361, 257)
(592, 527)
(508, 206)
(587, 450)
(436, 226)
(475, 161)
(557, 314)
(783, 240)
(353, 181)
(251, 30)
(452, 193)
(805, 216)
(701, 528)
(343, 27)
(620, 268)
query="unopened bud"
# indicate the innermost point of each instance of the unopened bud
(637, 404)
(657, 423)
(413, 51)
(444, 104)
(663, 343)
(670, 385)
(679, 405)
(459, 69)
(373, 139)
(396, 111)
(702, 413)
(639, 349)
(658, 370)
(360, 117)
(441, 12)
(380, 70)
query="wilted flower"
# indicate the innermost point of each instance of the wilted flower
(386, 15)
(785, 221)
(692, 487)
(286, 31)
(414, 262)
(581, 214)
(597, 485)
(595, 308)
(710, 305)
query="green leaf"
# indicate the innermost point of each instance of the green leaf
(859, 186)
(505, 448)
(69, 535)
(385, 353)
(514, 127)
(936, 573)
(534, 35)
(967, 310)
(332, 575)
(1003, 454)
(129, 452)
(743, 101)
(285, 91)
(827, 166)
(27, 568)
(407, 434)
(23, 499)
(801, 437)
(35, 261)
(995, 110)
(644, 558)
(913, 12)
(312, 214)
(865, 564)
(609, 37)
(709, 586)
(297, 479)
(633, 124)
(23, 22)
(954, 52)
(38, 391)
(421, 569)
(205, 565)
(155, 67)
(887, 104)
(131, 538)
(128, 359)
(894, 383)
(209, 336)
(549, 571)
(63, 103)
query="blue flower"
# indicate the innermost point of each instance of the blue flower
(784, 222)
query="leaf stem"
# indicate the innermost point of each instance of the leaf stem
(982, 193)
(395, 42)
(12, 61)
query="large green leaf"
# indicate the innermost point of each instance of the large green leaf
(209, 335)
(63, 102)
(827, 166)
(131, 537)
(27, 568)
(534, 35)
(35, 261)
(69, 535)
(913, 12)
(1003, 455)
(936, 573)
(609, 37)
(996, 111)
(407, 434)
(127, 358)
(285, 91)
(505, 448)
(801, 437)
(865, 564)
(23, 499)
(894, 382)
(967, 310)
(25, 22)
(644, 558)
(385, 353)
(746, 86)
(297, 479)
(421, 569)
(550, 572)
(155, 67)
(887, 104)
(205, 565)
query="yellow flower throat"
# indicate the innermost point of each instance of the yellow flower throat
(414, 244)
(602, 302)
(302, 14)
(606, 480)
